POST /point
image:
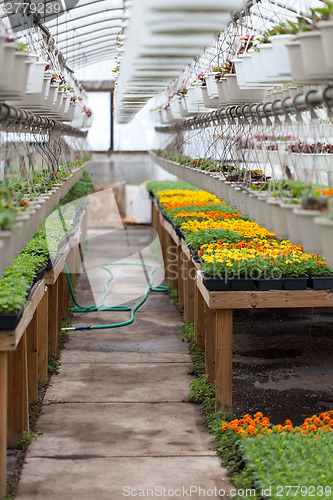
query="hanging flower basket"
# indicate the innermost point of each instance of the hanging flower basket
(326, 31)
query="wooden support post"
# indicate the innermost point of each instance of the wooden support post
(18, 403)
(43, 337)
(65, 296)
(185, 284)
(180, 275)
(210, 341)
(164, 247)
(3, 422)
(172, 262)
(224, 360)
(161, 232)
(53, 319)
(199, 318)
(60, 297)
(153, 214)
(191, 285)
(32, 357)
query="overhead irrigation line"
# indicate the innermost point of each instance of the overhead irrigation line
(27, 120)
(302, 102)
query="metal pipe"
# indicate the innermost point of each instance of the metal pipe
(25, 119)
(306, 102)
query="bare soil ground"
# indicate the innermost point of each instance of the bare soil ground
(283, 363)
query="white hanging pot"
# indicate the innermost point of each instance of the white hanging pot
(253, 70)
(8, 59)
(281, 53)
(235, 95)
(3, 38)
(313, 57)
(269, 65)
(198, 93)
(211, 80)
(296, 62)
(326, 31)
(69, 115)
(175, 108)
(222, 89)
(36, 78)
(89, 121)
(209, 103)
(192, 107)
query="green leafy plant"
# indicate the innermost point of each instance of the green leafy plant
(27, 439)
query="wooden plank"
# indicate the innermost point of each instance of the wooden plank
(43, 338)
(17, 400)
(199, 318)
(210, 341)
(9, 339)
(32, 357)
(262, 300)
(185, 249)
(167, 226)
(53, 325)
(3, 423)
(175, 237)
(223, 365)
(154, 214)
(203, 290)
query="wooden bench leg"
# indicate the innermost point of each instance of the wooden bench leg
(3, 423)
(199, 318)
(185, 285)
(189, 281)
(43, 337)
(53, 325)
(60, 297)
(210, 342)
(32, 357)
(166, 255)
(180, 275)
(224, 360)
(65, 297)
(17, 402)
(171, 252)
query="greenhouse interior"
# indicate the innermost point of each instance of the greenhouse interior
(166, 249)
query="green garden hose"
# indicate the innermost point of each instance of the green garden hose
(102, 307)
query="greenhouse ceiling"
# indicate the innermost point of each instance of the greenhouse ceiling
(154, 41)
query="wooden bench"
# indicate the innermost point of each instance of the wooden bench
(24, 351)
(212, 312)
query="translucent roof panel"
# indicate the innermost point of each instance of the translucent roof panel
(87, 33)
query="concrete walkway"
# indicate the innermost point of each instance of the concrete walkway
(117, 419)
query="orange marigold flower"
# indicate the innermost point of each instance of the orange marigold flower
(251, 429)
(224, 426)
(265, 422)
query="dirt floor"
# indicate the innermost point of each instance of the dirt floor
(283, 363)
